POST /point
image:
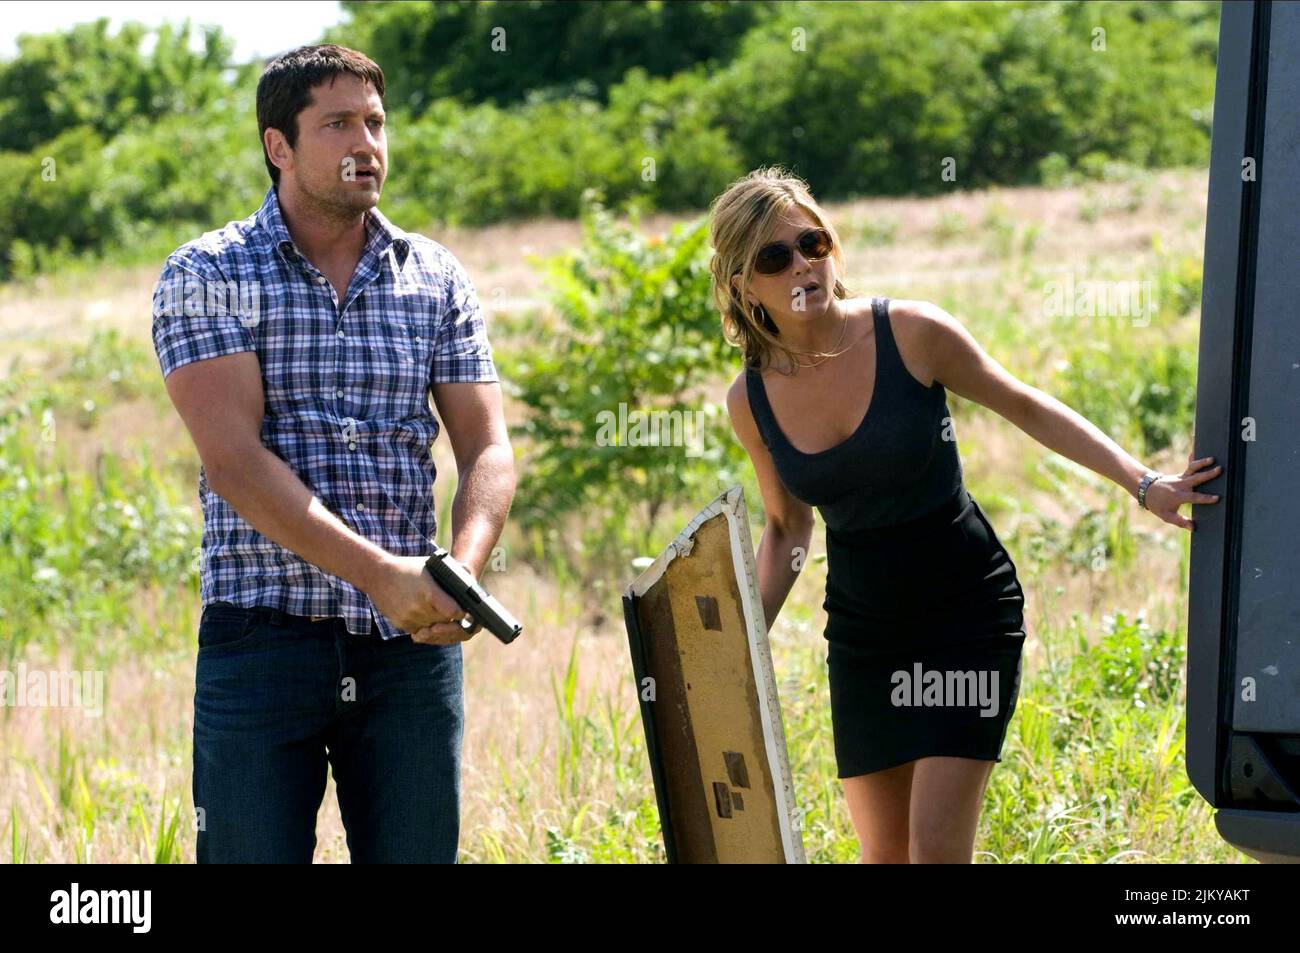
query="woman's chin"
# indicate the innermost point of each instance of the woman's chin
(814, 307)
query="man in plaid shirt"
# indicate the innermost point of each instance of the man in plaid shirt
(300, 347)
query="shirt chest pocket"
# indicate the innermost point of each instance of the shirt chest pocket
(395, 363)
(412, 340)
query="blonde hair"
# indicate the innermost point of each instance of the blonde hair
(740, 221)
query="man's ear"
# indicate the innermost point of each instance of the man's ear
(277, 147)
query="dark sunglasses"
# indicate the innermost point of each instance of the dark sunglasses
(815, 244)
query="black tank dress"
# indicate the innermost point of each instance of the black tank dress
(924, 609)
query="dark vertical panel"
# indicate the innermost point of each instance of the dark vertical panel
(1243, 754)
(1213, 565)
(1268, 612)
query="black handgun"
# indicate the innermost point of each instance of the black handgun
(481, 607)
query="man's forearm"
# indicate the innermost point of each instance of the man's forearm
(271, 498)
(480, 507)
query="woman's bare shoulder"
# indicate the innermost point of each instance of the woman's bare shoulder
(738, 396)
(913, 323)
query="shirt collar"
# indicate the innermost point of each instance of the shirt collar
(381, 234)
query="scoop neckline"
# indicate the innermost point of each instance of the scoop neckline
(871, 403)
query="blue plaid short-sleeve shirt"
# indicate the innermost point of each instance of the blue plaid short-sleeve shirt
(346, 389)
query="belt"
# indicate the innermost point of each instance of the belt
(277, 615)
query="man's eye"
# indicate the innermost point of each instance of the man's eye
(377, 122)
(336, 122)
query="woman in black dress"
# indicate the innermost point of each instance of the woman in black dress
(842, 406)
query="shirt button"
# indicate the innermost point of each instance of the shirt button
(352, 446)
(361, 506)
(341, 334)
(320, 279)
(338, 393)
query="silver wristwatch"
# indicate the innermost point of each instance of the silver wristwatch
(1148, 478)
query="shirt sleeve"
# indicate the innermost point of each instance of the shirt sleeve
(197, 314)
(461, 352)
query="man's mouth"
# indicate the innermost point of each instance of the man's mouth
(367, 174)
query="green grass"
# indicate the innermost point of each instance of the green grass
(82, 541)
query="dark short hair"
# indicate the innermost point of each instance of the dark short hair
(285, 88)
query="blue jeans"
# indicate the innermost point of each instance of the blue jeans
(277, 696)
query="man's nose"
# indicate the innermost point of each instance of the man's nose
(368, 145)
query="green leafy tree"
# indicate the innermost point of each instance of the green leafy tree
(632, 323)
(872, 98)
(85, 77)
(433, 50)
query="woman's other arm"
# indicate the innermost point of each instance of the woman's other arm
(787, 529)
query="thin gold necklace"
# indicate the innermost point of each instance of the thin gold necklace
(843, 330)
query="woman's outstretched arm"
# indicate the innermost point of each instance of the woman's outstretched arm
(962, 366)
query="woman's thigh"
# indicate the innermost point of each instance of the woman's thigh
(879, 806)
(945, 806)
